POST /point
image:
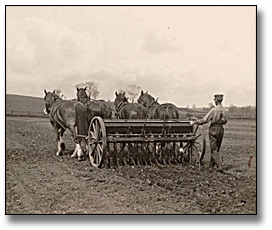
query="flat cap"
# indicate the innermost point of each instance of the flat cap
(218, 97)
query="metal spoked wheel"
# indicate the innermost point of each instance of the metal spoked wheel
(97, 142)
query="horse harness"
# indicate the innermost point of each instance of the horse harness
(120, 105)
(54, 114)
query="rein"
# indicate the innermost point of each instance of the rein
(55, 106)
(155, 101)
(121, 104)
(152, 106)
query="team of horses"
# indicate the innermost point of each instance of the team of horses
(76, 115)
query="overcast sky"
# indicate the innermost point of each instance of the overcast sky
(179, 54)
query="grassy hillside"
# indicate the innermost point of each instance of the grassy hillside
(24, 104)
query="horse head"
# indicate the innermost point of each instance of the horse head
(120, 99)
(49, 99)
(146, 99)
(82, 95)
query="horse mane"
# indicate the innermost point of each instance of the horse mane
(152, 99)
(149, 96)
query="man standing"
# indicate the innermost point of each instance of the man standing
(216, 131)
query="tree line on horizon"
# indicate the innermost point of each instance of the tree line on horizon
(132, 90)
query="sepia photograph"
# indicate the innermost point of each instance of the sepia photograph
(131, 110)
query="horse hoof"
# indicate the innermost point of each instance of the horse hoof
(80, 158)
(59, 153)
(73, 155)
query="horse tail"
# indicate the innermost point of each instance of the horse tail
(98, 109)
(154, 113)
(145, 113)
(106, 109)
(94, 109)
(172, 111)
(82, 119)
(90, 115)
(176, 112)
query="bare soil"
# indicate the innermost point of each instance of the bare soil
(39, 182)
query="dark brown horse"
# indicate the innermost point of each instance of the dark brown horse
(95, 107)
(126, 110)
(71, 115)
(156, 110)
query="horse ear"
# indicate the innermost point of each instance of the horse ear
(77, 89)
(124, 93)
(54, 91)
(146, 92)
(116, 94)
(142, 92)
(45, 91)
(85, 88)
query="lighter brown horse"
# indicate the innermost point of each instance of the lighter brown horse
(71, 115)
(126, 110)
(158, 111)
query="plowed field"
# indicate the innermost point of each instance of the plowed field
(38, 181)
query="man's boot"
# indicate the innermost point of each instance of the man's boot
(212, 163)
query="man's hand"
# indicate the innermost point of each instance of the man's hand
(222, 121)
(192, 122)
(192, 118)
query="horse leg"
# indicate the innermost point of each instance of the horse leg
(73, 132)
(58, 132)
(60, 144)
(77, 152)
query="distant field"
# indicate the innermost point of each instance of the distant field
(24, 105)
